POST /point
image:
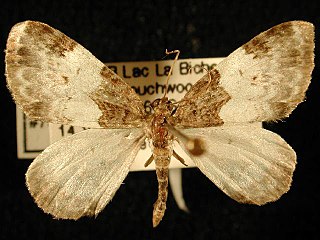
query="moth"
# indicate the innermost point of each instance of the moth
(54, 79)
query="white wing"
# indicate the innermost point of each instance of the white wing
(54, 79)
(79, 175)
(269, 75)
(263, 80)
(248, 163)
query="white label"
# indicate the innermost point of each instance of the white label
(147, 79)
(32, 136)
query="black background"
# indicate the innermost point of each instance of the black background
(141, 30)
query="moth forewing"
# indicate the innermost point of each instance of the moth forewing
(263, 80)
(54, 79)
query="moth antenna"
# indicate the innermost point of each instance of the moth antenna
(208, 84)
(194, 145)
(176, 107)
(210, 78)
(179, 102)
(208, 73)
(177, 52)
(201, 67)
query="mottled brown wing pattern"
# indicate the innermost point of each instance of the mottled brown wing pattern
(200, 107)
(54, 79)
(263, 80)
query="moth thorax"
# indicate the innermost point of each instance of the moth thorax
(160, 132)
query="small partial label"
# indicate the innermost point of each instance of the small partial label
(32, 136)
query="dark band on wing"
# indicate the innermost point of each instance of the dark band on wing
(201, 105)
(109, 94)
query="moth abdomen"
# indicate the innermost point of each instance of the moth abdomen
(162, 171)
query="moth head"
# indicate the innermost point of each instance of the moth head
(162, 104)
(155, 103)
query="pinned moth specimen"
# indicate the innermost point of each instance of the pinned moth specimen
(54, 79)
